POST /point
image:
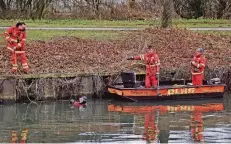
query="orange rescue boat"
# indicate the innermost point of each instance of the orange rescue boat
(134, 90)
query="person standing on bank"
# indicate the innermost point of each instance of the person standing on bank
(152, 63)
(16, 39)
(198, 66)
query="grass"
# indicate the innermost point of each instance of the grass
(202, 23)
(49, 34)
(107, 35)
(97, 35)
(80, 23)
(217, 33)
(119, 23)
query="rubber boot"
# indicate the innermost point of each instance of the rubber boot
(14, 71)
(25, 71)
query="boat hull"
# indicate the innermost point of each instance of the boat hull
(167, 93)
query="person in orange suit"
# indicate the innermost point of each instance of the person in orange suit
(152, 63)
(16, 38)
(198, 66)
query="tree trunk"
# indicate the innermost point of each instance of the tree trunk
(167, 14)
(2, 5)
(41, 9)
(2, 8)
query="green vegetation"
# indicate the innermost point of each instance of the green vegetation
(80, 23)
(98, 35)
(202, 23)
(49, 34)
(217, 33)
(107, 35)
(119, 23)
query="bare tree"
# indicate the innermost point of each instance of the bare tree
(39, 7)
(2, 5)
(2, 8)
(113, 9)
(23, 8)
(203, 8)
(167, 13)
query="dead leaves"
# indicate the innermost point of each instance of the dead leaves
(69, 54)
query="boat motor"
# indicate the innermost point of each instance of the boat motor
(128, 79)
(214, 81)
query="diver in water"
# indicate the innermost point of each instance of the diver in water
(82, 102)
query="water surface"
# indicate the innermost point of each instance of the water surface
(120, 122)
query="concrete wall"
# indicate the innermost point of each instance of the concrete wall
(7, 91)
(12, 90)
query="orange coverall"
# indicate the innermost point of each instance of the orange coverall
(16, 45)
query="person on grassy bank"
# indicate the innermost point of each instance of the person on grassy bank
(16, 39)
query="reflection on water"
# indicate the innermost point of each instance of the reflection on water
(110, 121)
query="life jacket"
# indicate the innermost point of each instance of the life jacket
(78, 104)
(15, 34)
(152, 63)
(200, 64)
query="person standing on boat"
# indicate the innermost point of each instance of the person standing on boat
(198, 66)
(152, 62)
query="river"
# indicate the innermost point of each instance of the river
(111, 121)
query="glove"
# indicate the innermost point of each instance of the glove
(12, 40)
(130, 58)
(196, 69)
(19, 45)
(193, 63)
(13, 49)
(157, 75)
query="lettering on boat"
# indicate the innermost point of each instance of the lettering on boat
(180, 108)
(136, 92)
(181, 91)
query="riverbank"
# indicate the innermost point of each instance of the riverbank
(73, 55)
(64, 65)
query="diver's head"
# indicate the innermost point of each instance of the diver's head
(83, 100)
(72, 101)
